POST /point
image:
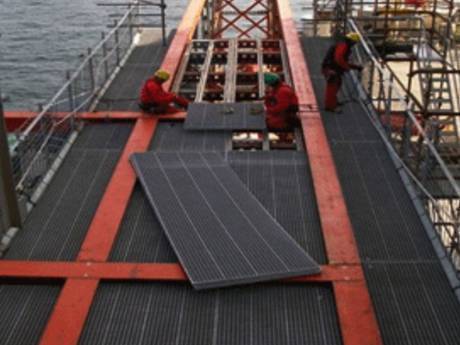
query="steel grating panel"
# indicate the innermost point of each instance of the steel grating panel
(56, 227)
(171, 137)
(123, 92)
(25, 311)
(158, 314)
(203, 208)
(268, 175)
(414, 303)
(225, 116)
(282, 182)
(141, 230)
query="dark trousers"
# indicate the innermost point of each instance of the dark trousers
(153, 108)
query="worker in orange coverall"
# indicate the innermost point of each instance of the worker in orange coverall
(335, 64)
(154, 99)
(281, 103)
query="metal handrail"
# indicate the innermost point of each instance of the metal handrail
(449, 232)
(75, 74)
(43, 141)
(388, 81)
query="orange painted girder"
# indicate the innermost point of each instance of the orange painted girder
(71, 310)
(356, 313)
(19, 117)
(106, 222)
(335, 222)
(143, 271)
(358, 324)
(16, 119)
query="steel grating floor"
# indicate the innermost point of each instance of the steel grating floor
(56, 227)
(158, 314)
(385, 221)
(413, 300)
(220, 232)
(25, 311)
(413, 303)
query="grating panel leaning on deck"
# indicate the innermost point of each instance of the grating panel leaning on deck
(141, 238)
(290, 200)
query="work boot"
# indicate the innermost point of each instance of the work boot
(335, 110)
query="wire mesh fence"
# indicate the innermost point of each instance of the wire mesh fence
(41, 142)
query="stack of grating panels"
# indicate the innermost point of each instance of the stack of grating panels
(158, 314)
(225, 116)
(25, 310)
(123, 92)
(220, 232)
(56, 227)
(413, 300)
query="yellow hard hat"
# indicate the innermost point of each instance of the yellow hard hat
(353, 36)
(162, 74)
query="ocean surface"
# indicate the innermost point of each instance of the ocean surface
(41, 39)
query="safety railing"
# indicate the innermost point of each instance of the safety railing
(42, 141)
(413, 141)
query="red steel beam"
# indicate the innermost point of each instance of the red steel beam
(67, 321)
(70, 312)
(72, 307)
(242, 14)
(336, 226)
(15, 119)
(356, 314)
(144, 271)
(108, 216)
(357, 320)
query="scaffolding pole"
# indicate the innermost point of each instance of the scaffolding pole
(8, 200)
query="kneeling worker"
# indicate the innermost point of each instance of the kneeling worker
(335, 64)
(154, 99)
(281, 103)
